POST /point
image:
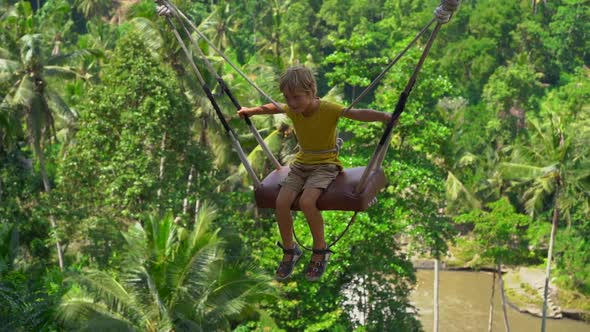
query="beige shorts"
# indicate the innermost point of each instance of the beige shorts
(303, 176)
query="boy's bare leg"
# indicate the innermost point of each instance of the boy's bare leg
(284, 219)
(308, 205)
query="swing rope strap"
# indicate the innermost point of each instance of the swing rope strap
(339, 143)
(170, 7)
(445, 10)
(225, 89)
(446, 7)
(333, 243)
(388, 67)
(207, 90)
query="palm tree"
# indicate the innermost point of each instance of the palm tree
(7, 131)
(31, 74)
(22, 308)
(172, 278)
(273, 14)
(475, 197)
(220, 26)
(34, 101)
(554, 170)
(91, 8)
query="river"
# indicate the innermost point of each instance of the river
(464, 306)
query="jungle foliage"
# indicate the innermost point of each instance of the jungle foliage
(111, 158)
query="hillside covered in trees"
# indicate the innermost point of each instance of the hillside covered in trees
(124, 207)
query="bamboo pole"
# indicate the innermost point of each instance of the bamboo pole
(436, 295)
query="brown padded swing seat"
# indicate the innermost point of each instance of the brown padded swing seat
(338, 196)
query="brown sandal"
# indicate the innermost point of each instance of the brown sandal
(316, 269)
(285, 268)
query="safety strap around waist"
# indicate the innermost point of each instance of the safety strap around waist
(339, 143)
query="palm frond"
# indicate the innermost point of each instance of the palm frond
(83, 314)
(203, 220)
(77, 308)
(30, 48)
(237, 287)
(149, 32)
(335, 95)
(9, 67)
(190, 273)
(23, 94)
(108, 289)
(455, 189)
(74, 56)
(59, 106)
(467, 159)
(258, 158)
(517, 171)
(60, 72)
(534, 200)
(137, 252)
(187, 283)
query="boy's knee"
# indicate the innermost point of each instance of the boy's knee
(307, 204)
(282, 204)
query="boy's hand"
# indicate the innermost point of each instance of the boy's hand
(244, 112)
(163, 10)
(389, 115)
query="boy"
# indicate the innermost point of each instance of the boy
(316, 164)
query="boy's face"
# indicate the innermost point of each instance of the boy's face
(299, 101)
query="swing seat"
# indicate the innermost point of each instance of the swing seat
(339, 195)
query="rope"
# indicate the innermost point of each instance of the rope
(389, 66)
(445, 10)
(333, 243)
(442, 14)
(227, 91)
(218, 112)
(171, 7)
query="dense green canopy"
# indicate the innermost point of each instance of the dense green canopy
(113, 164)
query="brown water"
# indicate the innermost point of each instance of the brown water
(464, 306)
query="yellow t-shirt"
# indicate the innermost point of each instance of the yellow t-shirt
(317, 133)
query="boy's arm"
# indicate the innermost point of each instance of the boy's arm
(367, 115)
(263, 109)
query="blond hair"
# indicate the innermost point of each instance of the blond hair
(298, 78)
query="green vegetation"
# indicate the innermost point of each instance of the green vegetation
(111, 160)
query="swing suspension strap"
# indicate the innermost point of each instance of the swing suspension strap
(443, 14)
(225, 89)
(339, 143)
(388, 67)
(181, 16)
(331, 244)
(230, 132)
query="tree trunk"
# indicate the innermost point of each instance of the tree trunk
(162, 162)
(554, 222)
(47, 187)
(188, 189)
(501, 280)
(491, 318)
(436, 288)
